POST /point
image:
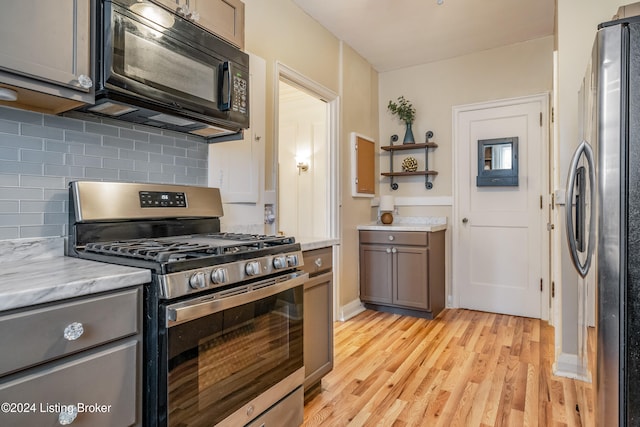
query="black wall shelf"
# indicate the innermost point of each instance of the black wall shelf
(391, 148)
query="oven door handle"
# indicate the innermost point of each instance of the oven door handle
(200, 307)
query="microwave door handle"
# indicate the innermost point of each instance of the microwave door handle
(224, 87)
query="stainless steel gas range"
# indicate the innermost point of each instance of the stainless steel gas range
(223, 315)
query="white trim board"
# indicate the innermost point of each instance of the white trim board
(569, 366)
(418, 201)
(350, 310)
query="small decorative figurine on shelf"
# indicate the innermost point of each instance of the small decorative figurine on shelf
(405, 112)
(410, 164)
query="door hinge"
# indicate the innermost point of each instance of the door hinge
(553, 201)
(540, 285)
(541, 202)
(553, 289)
(541, 119)
(553, 115)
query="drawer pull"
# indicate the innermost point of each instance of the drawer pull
(391, 238)
(73, 331)
(68, 415)
(318, 262)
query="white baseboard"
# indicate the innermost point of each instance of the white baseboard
(569, 366)
(350, 310)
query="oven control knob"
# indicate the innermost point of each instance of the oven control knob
(292, 260)
(279, 262)
(198, 281)
(252, 268)
(219, 275)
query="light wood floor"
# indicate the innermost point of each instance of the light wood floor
(465, 368)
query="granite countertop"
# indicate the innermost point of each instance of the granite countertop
(310, 243)
(429, 223)
(35, 271)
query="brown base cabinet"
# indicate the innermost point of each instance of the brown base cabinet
(402, 272)
(318, 318)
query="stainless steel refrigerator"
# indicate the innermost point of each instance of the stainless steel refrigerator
(603, 215)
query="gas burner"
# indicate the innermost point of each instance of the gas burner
(154, 250)
(180, 248)
(270, 240)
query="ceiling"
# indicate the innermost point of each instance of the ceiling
(392, 34)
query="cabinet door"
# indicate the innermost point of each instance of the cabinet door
(107, 378)
(411, 277)
(236, 166)
(224, 18)
(53, 47)
(375, 274)
(318, 328)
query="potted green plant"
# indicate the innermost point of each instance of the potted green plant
(405, 111)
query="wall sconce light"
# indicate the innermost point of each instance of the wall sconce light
(386, 208)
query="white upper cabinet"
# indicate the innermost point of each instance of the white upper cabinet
(45, 46)
(224, 18)
(236, 167)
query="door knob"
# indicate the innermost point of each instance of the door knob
(465, 220)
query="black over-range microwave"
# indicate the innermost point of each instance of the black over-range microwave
(156, 68)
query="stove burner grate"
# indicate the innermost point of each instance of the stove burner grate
(169, 250)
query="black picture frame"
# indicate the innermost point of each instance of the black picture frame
(489, 176)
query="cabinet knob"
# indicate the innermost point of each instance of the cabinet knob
(394, 250)
(388, 250)
(465, 220)
(73, 331)
(68, 415)
(391, 237)
(318, 262)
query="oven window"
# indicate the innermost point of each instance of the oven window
(219, 362)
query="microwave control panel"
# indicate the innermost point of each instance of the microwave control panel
(239, 97)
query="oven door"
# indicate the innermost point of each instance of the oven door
(225, 350)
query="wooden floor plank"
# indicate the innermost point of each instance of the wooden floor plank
(464, 368)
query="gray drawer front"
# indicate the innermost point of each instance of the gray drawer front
(318, 260)
(414, 238)
(35, 336)
(106, 377)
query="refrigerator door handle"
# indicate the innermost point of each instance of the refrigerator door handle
(583, 149)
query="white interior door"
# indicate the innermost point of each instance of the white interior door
(498, 230)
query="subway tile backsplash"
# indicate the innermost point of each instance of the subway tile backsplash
(41, 153)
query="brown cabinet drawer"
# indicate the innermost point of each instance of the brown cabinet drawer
(415, 238)
(38, 335)
(318, 260)
(100, 384)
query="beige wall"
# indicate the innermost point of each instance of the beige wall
(577, 25)
(434, 89)
(360, 114)
(278, 31)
